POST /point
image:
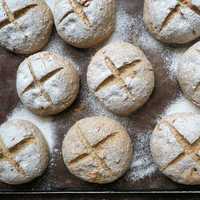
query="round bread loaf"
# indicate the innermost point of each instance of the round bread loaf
(173, 21)
(175, 146)
(84, 23)
(97, 150)
(46, 83)
(24, 152)
(121, 77)
(189, 74)
(25, 25)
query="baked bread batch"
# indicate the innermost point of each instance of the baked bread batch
(98, 149)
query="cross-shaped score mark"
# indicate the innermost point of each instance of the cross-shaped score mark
(177, 10)
(92, 150)
(116, 75)
(13, 16)
(39, 83)
(189, 149)
(7, 154)
(79, 11)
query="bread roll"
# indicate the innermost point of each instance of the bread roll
(175, 146)
(97, 150)
(189, 74)
(24, 152)
(84, 23)
(25, 25)
(173, 21)
(121, 77)
(46, 83)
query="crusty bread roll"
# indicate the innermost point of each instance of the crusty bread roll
(189, 74)
(47, 83)
(173, 21)
(84, 23)
(25, 25)
(121, 77)
(175, 146)
(97, 150)
(24, 153)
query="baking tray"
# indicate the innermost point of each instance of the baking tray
(143, 177)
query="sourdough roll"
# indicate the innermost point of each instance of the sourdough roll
(121, 77)
(24, 153)
(97, 150)
(173, 21)
(175, 146)
(47, 84)
(84, 23)
(25, 25)
(189, 74)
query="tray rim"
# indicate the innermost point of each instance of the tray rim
(110, 192)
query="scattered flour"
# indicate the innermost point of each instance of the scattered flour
(142, 165)
(124, 24)
(44, 124)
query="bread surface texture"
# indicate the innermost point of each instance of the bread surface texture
(97, 150)
(84, 23)
(47, 84)
(121, 77)
(24, 153)
(175, 146)
(25, 25)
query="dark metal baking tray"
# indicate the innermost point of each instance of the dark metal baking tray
(57, 179)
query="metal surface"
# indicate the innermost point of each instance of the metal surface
(56, 178)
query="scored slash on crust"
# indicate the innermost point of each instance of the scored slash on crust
(7, 154)
(116, 75)
(13, 16)
(78, 10)
(188, 148)
(39, 83)
(177, 10)
(91, 150)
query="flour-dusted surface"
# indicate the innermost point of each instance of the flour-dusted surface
(143, 174)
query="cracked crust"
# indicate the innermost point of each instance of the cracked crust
(172, 21)
(46, 83)
(121, 77)
(175, 146)
(24, 153)
(97, 150)
(189, 74)
(84, 24)
(25, 26)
